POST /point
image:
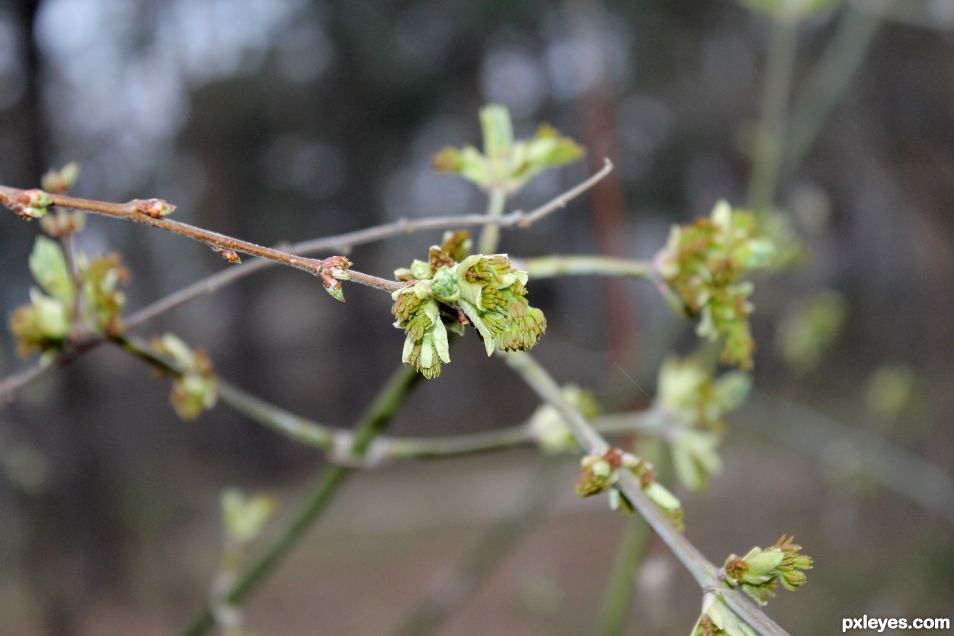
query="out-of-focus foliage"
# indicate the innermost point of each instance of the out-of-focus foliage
(704, 265)
(506, 164)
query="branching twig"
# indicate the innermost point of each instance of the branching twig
(830, 78)
(338, 442)
(891, 466)
(340, 242)
(701, 569)
(151, 212)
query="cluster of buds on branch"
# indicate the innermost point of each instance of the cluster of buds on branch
(692, 402)
(600, 472)
(194, 385)
(758, 573)
(90, 302)
(506, 164)
(487, 292)
(703, 266)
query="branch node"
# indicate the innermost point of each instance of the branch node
(155, 208)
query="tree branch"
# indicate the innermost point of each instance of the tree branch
(339, 242)
(152, 212)
(344, 242)
(701, 569)
(339, 442)
(570, 265)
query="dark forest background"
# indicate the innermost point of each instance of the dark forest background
(285, 120)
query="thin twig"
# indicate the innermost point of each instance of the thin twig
(151, 212)
(572, 265)
(338, 442)
(828, 441)
(387, 402)
(767, 157)
(701, 569)
(830, 79)
(340, 242)
(74, 349)
(343, 242)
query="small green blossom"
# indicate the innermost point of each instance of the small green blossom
(245, 516)
(506, 164)
(695, 457)
(103, 301)
(195, 389)
(551, 433)
(600, 473)
(43, 325)
(60, 181)
(808, 332)
(760, 570)
(703, 266)
(694, 403)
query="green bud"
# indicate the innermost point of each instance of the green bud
(597, 473)
(891, 390)
(425, 344)
(43, 325)
(760, 570)
(809, 329)
(245, 517)
(195, 388)
(667, 502)
(497, 130)
(60, 181)
(703, 266)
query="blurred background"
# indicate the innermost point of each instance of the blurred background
(285, 120)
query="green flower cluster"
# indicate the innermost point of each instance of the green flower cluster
(694, 402)
(195, 388)
(760, 571)
(703, 266)
(46, 323)
(600, 473)
(506, 164)
(485, 291)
